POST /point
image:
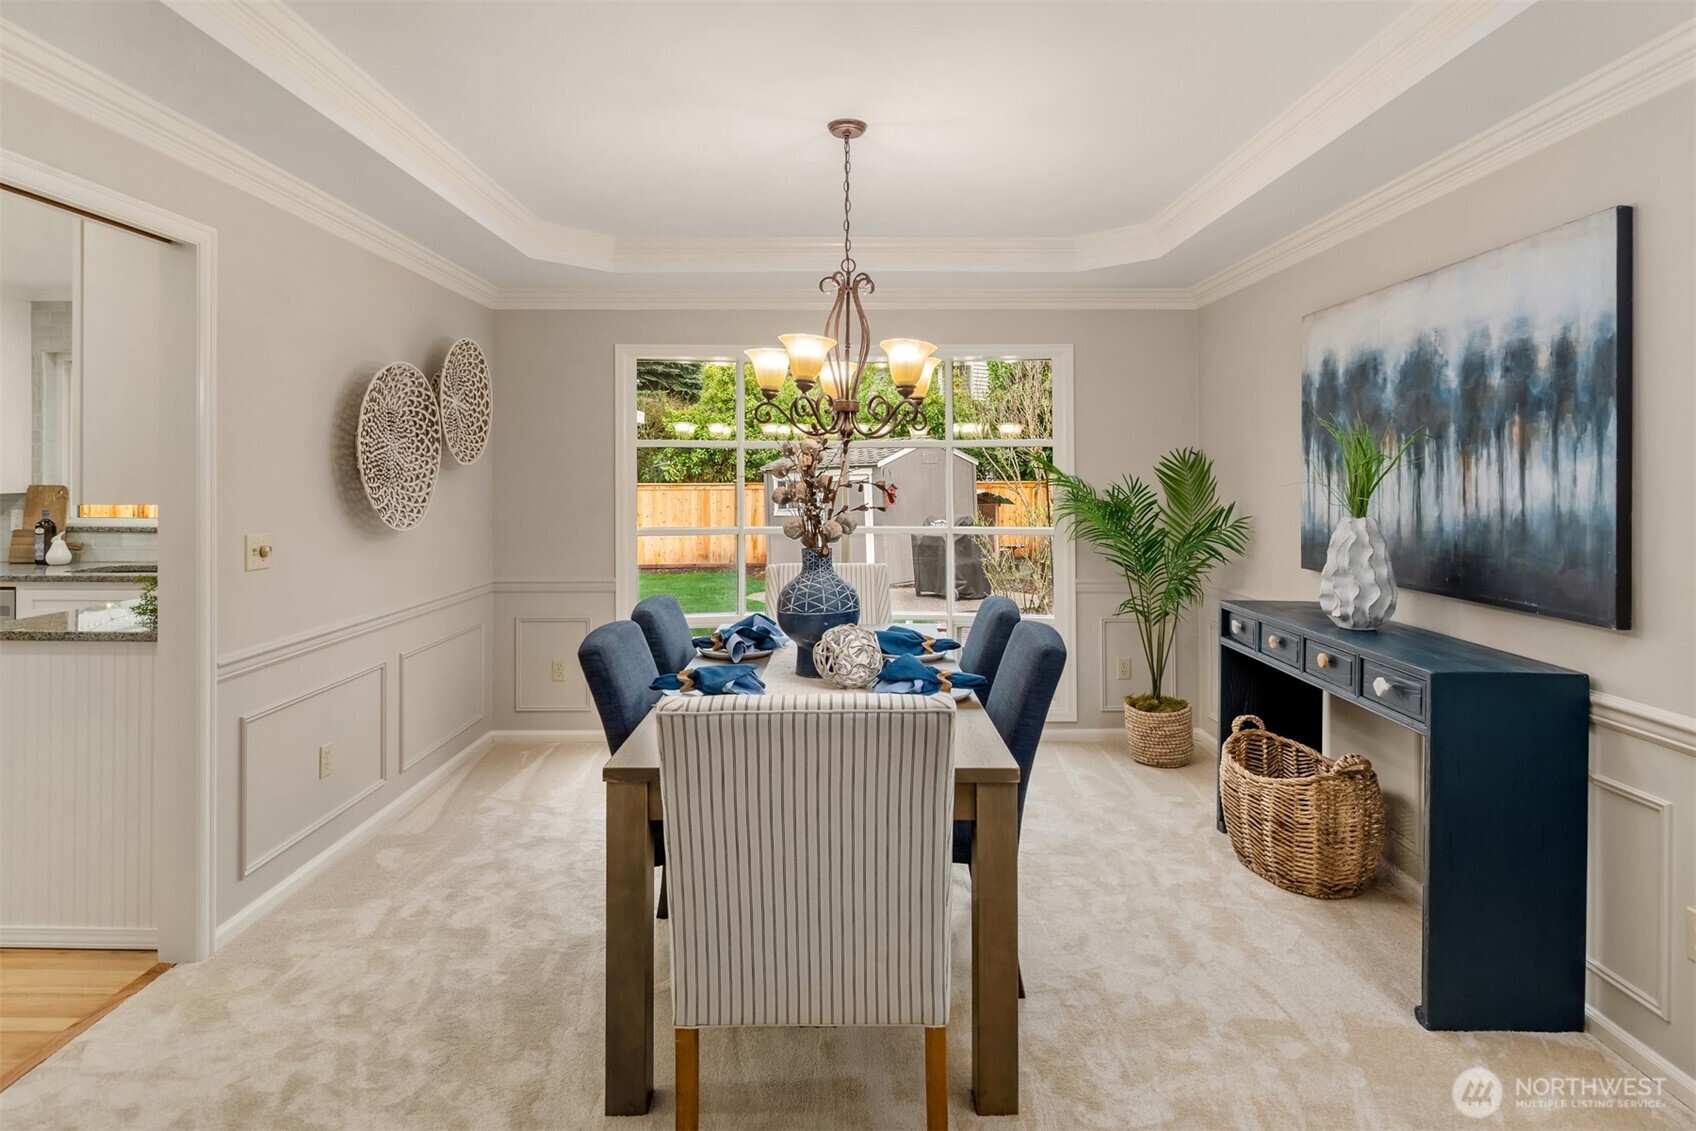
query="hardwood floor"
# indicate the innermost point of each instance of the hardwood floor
(47, 997)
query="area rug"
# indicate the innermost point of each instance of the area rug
(447, 974)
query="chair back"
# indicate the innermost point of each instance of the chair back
(869, 579)
(618, 667)
(1024, 687)
(670, 640)
(807, 842)
(987, 640)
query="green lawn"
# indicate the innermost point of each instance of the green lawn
(701, 591)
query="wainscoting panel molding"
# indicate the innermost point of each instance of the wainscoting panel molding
(538, 644)
(441, 693)
(76, 794)
(283, 796)
(1631, 863)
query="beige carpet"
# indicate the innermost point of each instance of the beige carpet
(447, 974)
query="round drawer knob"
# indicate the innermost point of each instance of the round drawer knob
(1274, 641)
(1323, 659)
(1380, 687)
(1236, 626)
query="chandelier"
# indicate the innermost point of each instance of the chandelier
(834, 363)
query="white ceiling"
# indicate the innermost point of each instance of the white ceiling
(36, 249)
(634, 145)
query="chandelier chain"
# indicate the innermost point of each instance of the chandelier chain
(847, 207)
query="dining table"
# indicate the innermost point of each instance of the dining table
(986, 783)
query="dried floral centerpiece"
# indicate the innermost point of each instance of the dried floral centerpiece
(819, 598)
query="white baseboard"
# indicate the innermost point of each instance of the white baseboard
(1678, 1084)
(547, 736)
(265, 904)
(82, 938)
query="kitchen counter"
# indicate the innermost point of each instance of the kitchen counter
(81, 573)
(116, 622)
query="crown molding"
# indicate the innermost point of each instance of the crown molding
(964, 298)
(1408, 50)
(276, 41)
(1656, 68)
(33, 65)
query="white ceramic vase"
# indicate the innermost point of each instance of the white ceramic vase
(1357, 588)
(58, 553)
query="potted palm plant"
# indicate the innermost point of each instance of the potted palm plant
(1166, 544)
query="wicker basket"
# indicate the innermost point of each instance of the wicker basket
(1298, 819)
(1164, 738)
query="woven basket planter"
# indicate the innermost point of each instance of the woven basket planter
(1164, 738)
(1296, 818)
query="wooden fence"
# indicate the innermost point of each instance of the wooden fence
(714, 504)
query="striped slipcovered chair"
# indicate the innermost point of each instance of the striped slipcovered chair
(869, 579)
(748, 850)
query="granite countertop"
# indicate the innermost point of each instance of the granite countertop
(116, 622)
(81, 573)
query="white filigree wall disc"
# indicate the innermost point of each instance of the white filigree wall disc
(463, 390)
(399, 444)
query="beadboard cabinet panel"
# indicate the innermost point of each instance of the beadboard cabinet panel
(76, 794)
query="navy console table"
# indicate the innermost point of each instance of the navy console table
(1506, 772)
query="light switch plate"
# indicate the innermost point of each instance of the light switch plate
(324, 761)
(256, 552)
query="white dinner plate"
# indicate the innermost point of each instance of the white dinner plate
(926, 658)
(721, 654)
(961, 694)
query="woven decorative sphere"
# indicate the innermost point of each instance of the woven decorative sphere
(848, 656)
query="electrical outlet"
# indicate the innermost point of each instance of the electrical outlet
(559, 671)
(1690, 933)
(324, 761)
(1124, 668)
(256, 550)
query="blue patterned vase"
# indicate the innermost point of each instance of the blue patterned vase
(818, 599)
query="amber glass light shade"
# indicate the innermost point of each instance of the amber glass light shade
(771, 366)
(922, 386)
(835, 387)
(906, 359)
(806, 354)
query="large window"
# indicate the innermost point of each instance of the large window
(971, 512)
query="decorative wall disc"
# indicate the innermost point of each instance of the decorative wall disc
(463, 389)
(399, 444)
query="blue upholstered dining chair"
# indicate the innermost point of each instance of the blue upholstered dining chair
(883, 768)
(1018, 706)
(670, 639)
(987, 640)
(619, 668)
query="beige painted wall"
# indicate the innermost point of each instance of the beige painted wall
(303, 321)
(1133, 397)
(118, 359)
(1250, 372)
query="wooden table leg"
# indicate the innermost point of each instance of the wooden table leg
(995, 950)
(630, 950)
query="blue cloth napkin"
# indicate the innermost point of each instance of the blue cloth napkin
(907, 675)
(906, 642)
(755, 630)
(714, 679)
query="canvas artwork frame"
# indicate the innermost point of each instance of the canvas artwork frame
(1516, 365)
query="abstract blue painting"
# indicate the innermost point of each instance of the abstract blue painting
(1516, 366)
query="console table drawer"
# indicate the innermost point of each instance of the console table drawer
(1329, 664)
(1281, 644)
(1394, 689)
(1244, 630)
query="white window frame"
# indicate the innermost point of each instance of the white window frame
(1064, 616)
